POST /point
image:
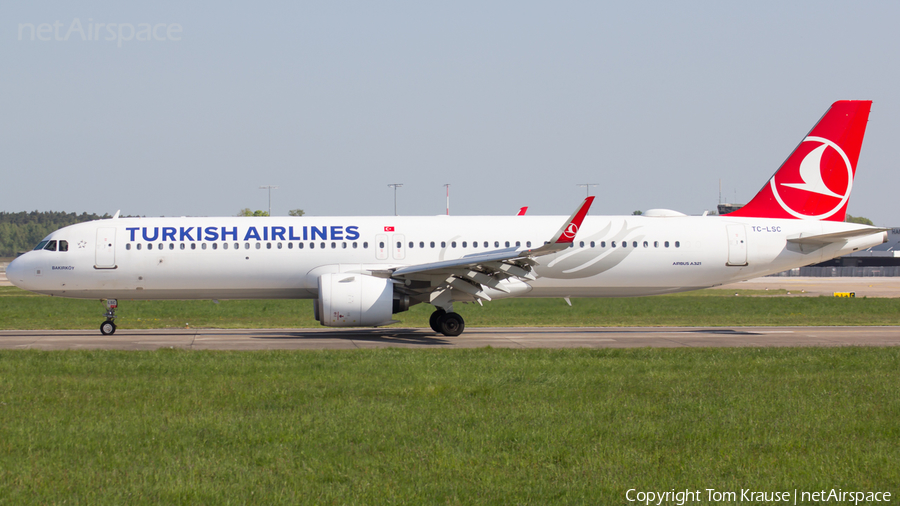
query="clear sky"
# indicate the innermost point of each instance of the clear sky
(512, 103)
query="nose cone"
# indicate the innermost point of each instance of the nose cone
(15, 272)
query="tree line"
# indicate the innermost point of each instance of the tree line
(23, 230)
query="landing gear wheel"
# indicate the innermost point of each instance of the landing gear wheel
(108, 328)
(433, 321)
(451, 324)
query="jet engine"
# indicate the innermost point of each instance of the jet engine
(354, 300)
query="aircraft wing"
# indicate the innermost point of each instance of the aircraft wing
(823, 239)
(472, 274)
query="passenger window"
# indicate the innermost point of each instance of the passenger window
(592, 244)
(634, 243)
(655, 244)
(51, 246)
(677, 244)
(464, 244)
(63, 246)
(193, 246)
(399, 245)
(612, 244)
(432, 244)
(496, 244)
(290, 245)
(171, 245)
(443, 244)
(381, 245)
(646, 244)
(258, 245)
(355, 245)
(128, 246)
(666, 244)
(528, 244)
(624, 244)
(322, 245)
(139, 246)
(268, 245)
(344, 245)
(215, 245)
(518, 244)
(581, 244)
(246, 245)
(507, 244)
(224, 245)
(312, 245)
(203, 246)
(182, 246)
(366, 245)
(279, 245)
(40, 245)
(333, 245)
(421, 244)
(299, 245)
(453, 244)
(411, 244)
(159, 246)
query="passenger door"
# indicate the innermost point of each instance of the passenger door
(105, 252)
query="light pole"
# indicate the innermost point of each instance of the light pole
(447, 186)
(270, 188)
(395, 186)
(587, 188)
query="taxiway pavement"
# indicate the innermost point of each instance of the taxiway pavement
(512, 337)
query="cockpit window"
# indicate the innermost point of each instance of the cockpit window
(51, 246)
(40, 245)
(64, 245)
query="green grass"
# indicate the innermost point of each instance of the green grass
(23, 310)
(483, 426)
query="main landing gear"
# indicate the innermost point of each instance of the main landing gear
(449, 324)
(108, 327)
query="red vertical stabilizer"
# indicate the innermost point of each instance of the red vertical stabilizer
(814, 183)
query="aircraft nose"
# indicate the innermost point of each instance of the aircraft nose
(15, 272)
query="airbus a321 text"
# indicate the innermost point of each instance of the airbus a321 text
(363, 270)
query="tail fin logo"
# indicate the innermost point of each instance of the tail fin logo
(820, 172)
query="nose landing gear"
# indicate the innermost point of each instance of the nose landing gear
(108, 327)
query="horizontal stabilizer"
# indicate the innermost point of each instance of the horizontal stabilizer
(822, 239)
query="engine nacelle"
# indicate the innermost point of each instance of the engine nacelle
(354, 300)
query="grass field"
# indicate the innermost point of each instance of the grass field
(24, 310)
(483, 426)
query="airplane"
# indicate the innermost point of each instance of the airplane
(361, 271)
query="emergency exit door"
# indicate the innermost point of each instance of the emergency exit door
(737, 245)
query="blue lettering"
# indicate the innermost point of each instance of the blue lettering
(337, 233)
(155, 234)
(185, 233)
(277, 232)
(352, 233)
(168, 234)
(251, 234)
(305, 237)
(291, 234)
(212, 234)
(132, 230)
(265, 233)
(226, 233)
(323, 234)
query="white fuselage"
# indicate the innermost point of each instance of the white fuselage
(282, 257)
